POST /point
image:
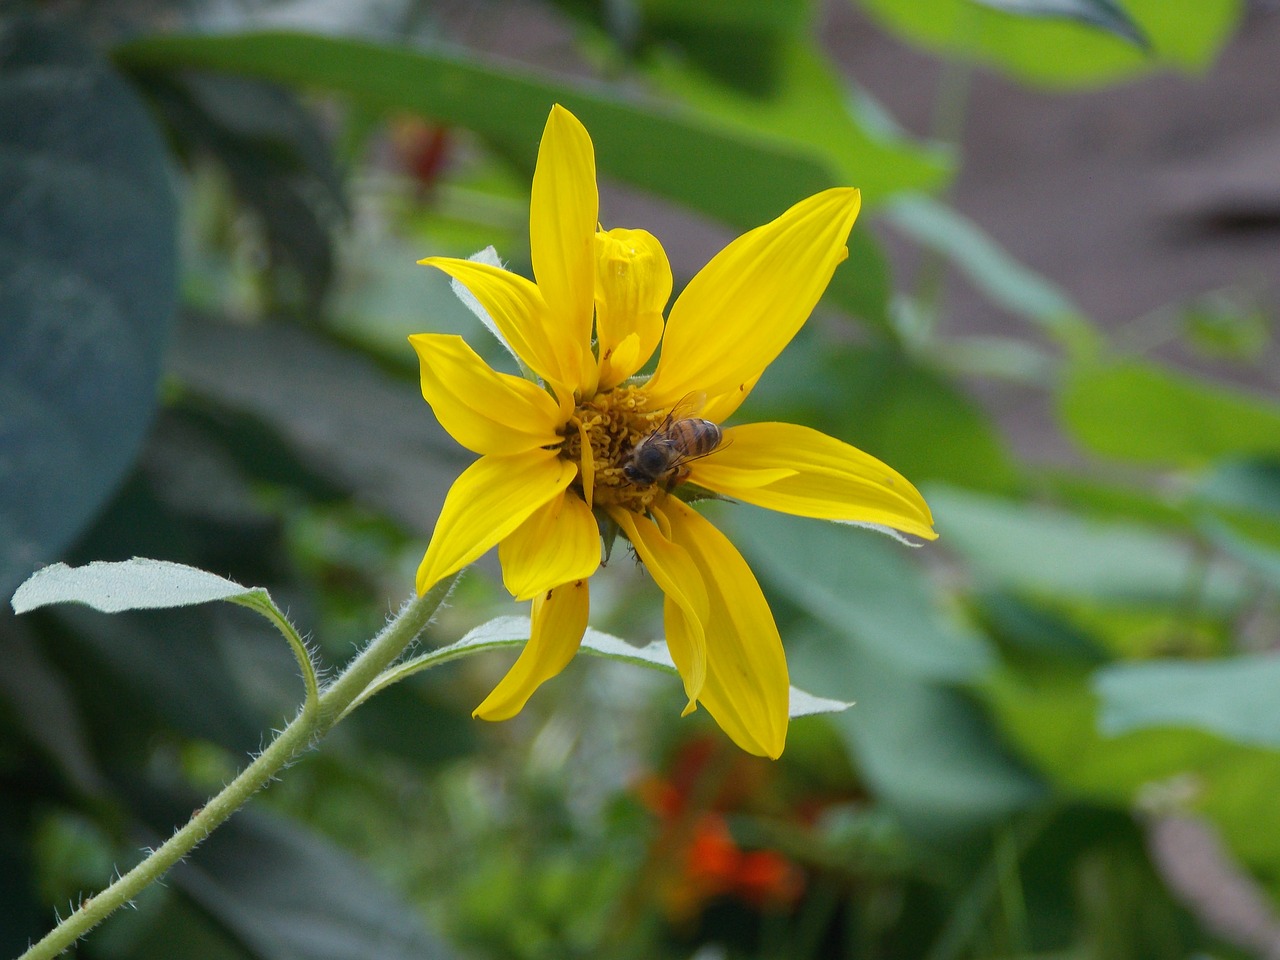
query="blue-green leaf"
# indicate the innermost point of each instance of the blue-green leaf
(1044, 550)
(1235, 698)
(88, 286)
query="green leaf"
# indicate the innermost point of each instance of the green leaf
(1143, 413)
(1234, 698)
(1183, 34)
(863, 586)
(1104, 14)
(88, 286)
(728, 171)
(137, 584)
(1050, 551)
(514, 631)
(142, 584)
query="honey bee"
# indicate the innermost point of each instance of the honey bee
(681, 437)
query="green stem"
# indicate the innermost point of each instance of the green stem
(295, 739)
(259, 603)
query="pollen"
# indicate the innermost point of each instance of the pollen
(609, 425)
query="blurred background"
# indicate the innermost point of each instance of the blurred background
(1057, 318)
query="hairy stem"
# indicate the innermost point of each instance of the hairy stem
(293, 740)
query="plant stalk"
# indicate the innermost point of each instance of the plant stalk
(305, 729)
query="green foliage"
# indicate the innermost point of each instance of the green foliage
(1084, 640)
(1181, 34)
(1105, 14)
(88, 289)
(1230, 697)
(1141, 412)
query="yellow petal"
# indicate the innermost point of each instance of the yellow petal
(559, 543)
(563, 212)
(633, 285)
(744, 306)
(747, 689)
(518, 310)
(827, 478)
(486, 503)
(485, 411)
(674, 572)
(719, 408)
(559, 621)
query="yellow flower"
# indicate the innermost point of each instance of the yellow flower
(556, 462)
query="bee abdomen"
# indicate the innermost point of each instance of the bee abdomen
(695, 437)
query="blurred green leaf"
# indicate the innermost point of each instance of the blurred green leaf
(927, 750)
(1138, 411)
(807, 109)
(865, 587)
(1057, 553)
(38, 706)
(1183, 34)
(1107, 500)
(1050, 715)
(990, 268)
(1262, 559)
(1224, 324)
(735, 40)
(1104, 14)
(278, 162)
(730, 170)
(676, 152)
(1247, 486)
(1235, 698)
(22, 915)
(88, 286)
(285, 893)
(783, 16)
(165, 924)
(320, 400)
(1026, 630)
(224, 683)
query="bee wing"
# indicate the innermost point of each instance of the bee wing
(690, 405)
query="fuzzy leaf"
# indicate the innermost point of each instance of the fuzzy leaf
(137, 584)
(513, 631)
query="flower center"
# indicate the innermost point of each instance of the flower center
(611, 423)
